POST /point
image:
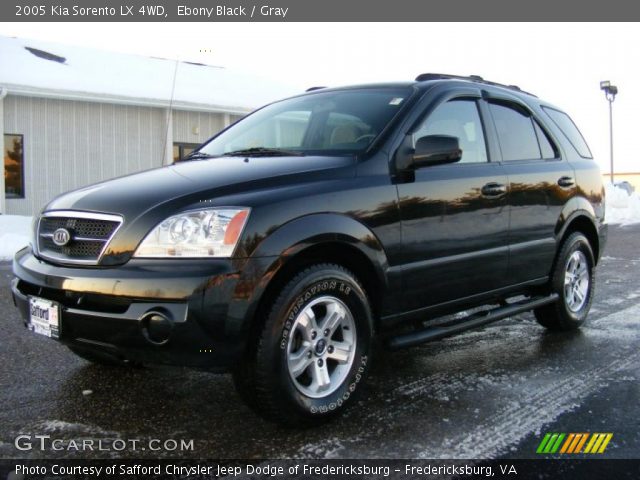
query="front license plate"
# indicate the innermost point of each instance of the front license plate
(44, 317)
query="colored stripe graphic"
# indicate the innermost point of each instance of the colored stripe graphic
(591, 442)
(574, 443)
(558, 442)
(581, 443)
(550, 443)
(568, 443)
(543, 443)
(606, 441)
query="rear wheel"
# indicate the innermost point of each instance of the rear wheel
(573, 280)
(313, 350)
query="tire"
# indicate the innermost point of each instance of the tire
(573, 279)
(102, 359)
(313, 351)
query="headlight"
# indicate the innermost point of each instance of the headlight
(199, 233)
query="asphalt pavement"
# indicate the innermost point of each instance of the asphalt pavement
(489, 393)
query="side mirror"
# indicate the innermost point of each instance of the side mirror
(436, 150)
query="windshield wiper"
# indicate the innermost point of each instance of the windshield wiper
(198, 156)
(263, 152)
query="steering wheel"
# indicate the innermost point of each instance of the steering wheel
(365, 136)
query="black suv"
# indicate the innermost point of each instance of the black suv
(284, 245)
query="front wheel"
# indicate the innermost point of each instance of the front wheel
(573, 280)
(313, 351)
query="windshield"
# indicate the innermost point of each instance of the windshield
(336, 122)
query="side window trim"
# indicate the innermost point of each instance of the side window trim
(550, 139)
(494, 152)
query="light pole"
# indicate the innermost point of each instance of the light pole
(610, 92)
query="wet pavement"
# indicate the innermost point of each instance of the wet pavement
(488, 393)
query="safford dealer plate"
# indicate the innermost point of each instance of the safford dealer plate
(44, 317)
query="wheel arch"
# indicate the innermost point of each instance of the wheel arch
(581, 221)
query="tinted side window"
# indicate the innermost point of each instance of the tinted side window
(569, 129)
(516, 133)
(458, 118)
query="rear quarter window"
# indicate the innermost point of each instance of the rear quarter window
(570, 130)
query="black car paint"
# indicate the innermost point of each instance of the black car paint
(421, 238)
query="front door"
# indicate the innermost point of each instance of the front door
(454, 217)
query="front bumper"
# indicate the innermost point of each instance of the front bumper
(107, 309)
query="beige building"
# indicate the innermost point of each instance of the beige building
(73, 116)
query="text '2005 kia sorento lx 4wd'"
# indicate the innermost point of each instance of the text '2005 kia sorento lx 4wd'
(289, 241)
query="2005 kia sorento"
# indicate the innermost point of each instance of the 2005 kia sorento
(290, 240)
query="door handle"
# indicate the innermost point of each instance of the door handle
(494, 189)
(566, 182)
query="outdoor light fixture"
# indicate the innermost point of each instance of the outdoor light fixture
(610, 92)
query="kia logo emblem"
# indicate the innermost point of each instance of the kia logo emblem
(61, 237)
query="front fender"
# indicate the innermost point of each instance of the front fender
(297, 235)
(292, 238)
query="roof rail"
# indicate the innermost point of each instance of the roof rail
(423, 77)
(314, 88)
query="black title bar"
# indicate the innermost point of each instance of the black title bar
(334, 469)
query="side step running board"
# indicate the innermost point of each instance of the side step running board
(472, 321)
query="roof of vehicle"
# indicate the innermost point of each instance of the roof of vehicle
(426, 80)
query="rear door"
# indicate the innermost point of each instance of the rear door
(454, 217)
(541, 182)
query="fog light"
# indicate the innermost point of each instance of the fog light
(156, 327)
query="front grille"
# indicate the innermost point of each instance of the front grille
(89, 234)
(82, 227)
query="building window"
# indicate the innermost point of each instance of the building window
(13, 166)
(181, 150)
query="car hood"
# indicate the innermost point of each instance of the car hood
(146, 198)
(195, 180)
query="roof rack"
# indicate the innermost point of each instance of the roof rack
(423, 77)
(314, 88)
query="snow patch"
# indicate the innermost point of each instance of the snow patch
(62, 427)
(620, 207)
(15, 232)
(328, 448)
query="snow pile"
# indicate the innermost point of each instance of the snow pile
(15, 232)
(621, 207)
